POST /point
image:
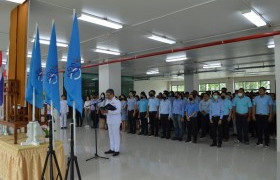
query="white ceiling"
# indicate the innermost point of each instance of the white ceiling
(189, 22)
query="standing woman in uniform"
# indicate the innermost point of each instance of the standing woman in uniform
(123, 100)
(87, 111)
(136, 114)
(165, 113)
(143, 115)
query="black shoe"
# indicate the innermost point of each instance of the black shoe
(167, 137)
(259, 143)
(219, 146)
(266, 145)
(109, 152)
(116, 153)
(61, 128)
(174, 138)
(194, 141)
(188, 140)
(163, 137)
(213, 144)
(140, 133)
(151, 134)
(246, 142)
(180, 139)
(202, 136)
(156, 135)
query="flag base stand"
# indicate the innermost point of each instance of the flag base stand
(33, 131)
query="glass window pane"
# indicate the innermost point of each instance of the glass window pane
(222, 85)
(239, 85)
(265, 84)
(202, 87)
(173, 88)
(213, 87)
(252, 85)
(181, 88)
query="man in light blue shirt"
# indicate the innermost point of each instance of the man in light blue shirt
(192, 108)
(143, 115)
(216, 114)
(131, 109)
(227, 116)
(242, 110)
(153, 107)
(165, 112)
(204, 107)
(262, 114)
(178, 111)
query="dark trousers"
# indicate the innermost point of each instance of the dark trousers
(242, 127)
(144, 123)
(225, 127)
(263, 128)
(131, 122)
(94, 119)
(165, 125)
(192, 128)
(204, 124)
(79, 119)
(216, 128)
(153, 123)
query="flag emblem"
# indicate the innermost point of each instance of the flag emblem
(74, 71)
(52, 76)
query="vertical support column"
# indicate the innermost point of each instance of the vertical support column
(110, 77)
(191, 82)
(277, 78)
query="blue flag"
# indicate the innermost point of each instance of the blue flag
(73, 73)
(51, 80)
(35, 76)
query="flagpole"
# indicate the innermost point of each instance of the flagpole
(74, 122)
(74, 108)
(52, 122)
(33, 92)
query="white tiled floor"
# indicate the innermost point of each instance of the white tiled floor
(151, 158)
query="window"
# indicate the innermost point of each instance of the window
(211, 87)
(180, 88)
(252, 85)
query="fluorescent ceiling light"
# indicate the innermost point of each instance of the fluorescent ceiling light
(210, 66)
(17, 1)
(100, 21)
(162, 39)
(270, 46)
(64, 59)
(47, 42)
(174, 59)
(107, 52)
(152, 71)
(254, 18)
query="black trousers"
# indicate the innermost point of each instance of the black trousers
(79, 119)
(94, 119)
(131, 122)
(216, 130)
(242, 127)
(144, 123)
(192, 128)
(225, 127)
(263, 128)
(153, 123)
(165, 125)
(204, 124)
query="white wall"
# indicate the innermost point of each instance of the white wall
(147, 85)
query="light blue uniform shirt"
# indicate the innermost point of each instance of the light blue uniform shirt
(262, 104)
(192, 107)
(216, 109)
(227, 106)
(204, 106)
(165, 107)
(131, 102)
(242, 104)
(178, 107)
(143, 105)
(153, 104)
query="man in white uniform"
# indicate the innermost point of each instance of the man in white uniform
(114, 122)
(63, 112)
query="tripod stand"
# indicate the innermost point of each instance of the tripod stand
(72, 159)
(96, 156)
(50, 156)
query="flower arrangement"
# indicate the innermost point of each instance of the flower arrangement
(46, 130)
